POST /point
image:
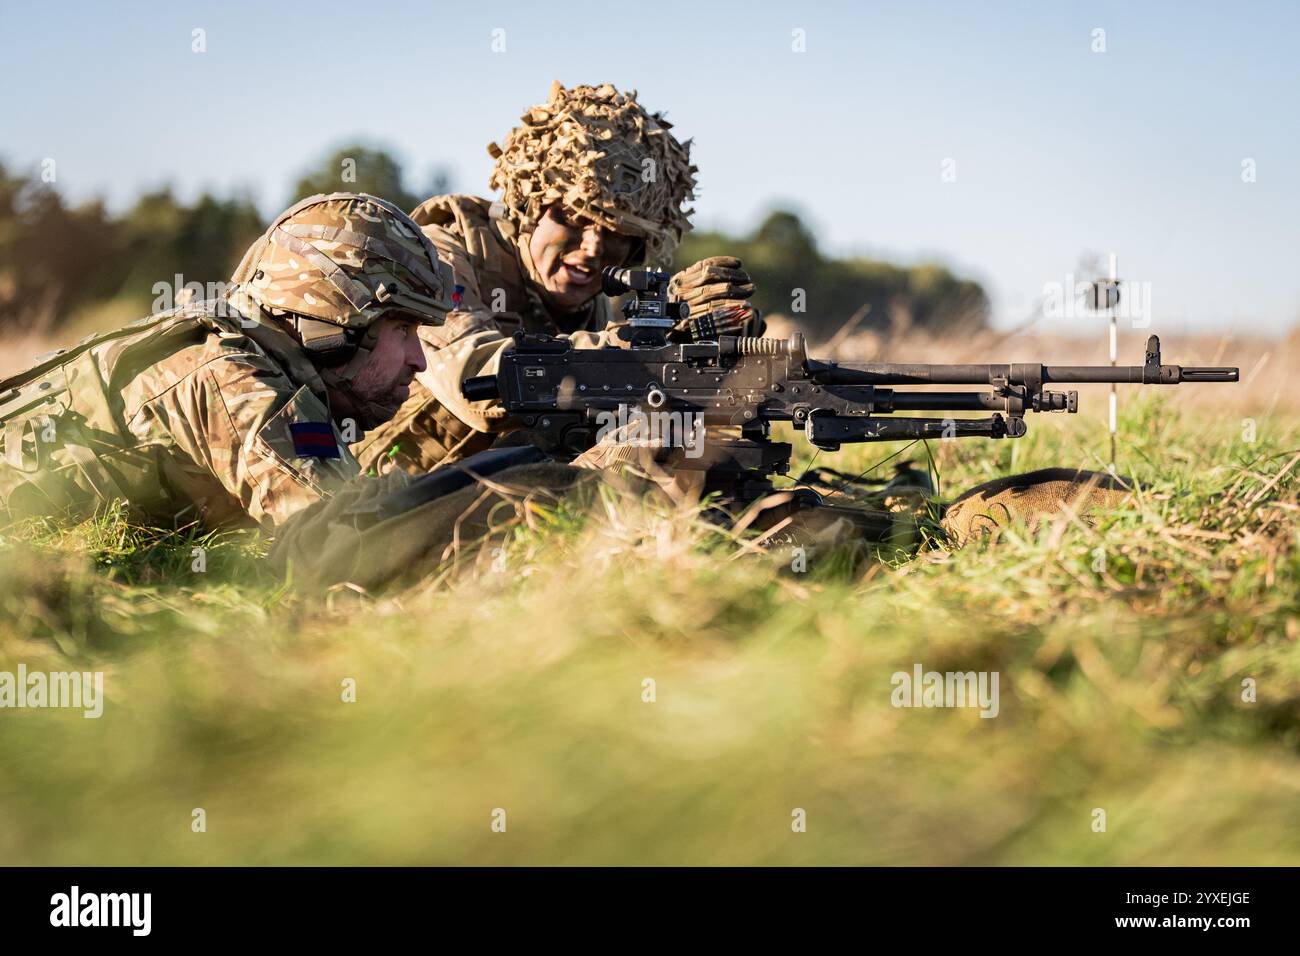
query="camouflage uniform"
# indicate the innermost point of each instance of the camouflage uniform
(494, 300)
(196, 425)
(218, 411)
(597, 152)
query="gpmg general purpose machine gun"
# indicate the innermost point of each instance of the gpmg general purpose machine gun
(566, 397)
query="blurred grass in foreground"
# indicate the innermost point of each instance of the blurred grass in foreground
(522, 689)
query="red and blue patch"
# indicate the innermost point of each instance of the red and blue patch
(457, 293)
(314, 440)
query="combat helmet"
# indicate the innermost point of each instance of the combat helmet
(334, 264)
(601, 155)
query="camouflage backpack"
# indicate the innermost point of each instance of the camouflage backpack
(63, 441)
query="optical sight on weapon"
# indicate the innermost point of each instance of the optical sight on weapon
(649, 307)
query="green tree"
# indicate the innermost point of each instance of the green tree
(791, 272)
(52, 257)
(360, 168)
(201, 243)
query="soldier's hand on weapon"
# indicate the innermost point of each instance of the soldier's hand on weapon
(711, 280)
(716, 289)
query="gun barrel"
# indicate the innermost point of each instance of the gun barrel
(1137, 374)
(832, 373)
(889, 373)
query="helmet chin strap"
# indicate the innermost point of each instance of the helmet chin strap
(522, 240)
(369, 413)
(339, 380)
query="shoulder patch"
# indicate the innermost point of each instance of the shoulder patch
(314, 440)
(304, 422)
(306, 443)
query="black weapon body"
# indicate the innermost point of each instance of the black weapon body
(736, 386)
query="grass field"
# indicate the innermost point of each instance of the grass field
(1122, 644)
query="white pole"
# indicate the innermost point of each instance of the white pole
(1114, 350)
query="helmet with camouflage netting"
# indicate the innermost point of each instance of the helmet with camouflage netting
(601, 155)
(334, 264)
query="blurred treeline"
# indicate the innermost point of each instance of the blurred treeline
(60, 264)
(56, 259)
(822, 294)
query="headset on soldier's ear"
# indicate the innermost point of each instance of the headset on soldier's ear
(331, 344)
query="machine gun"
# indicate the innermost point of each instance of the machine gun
(567, 398)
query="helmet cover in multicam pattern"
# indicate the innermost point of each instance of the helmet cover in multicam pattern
(347, 259)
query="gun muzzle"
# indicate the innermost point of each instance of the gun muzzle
(1202, 373)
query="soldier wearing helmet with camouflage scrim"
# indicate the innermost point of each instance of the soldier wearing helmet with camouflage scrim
(588, 180)
(237, 410)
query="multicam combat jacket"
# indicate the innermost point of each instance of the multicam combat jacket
(198, 413)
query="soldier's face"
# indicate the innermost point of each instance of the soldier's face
(569, 254)
(398, 356)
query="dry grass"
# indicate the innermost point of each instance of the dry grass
(521, 686)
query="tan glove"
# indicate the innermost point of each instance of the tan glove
(716, 289)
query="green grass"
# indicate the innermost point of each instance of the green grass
(522, 688)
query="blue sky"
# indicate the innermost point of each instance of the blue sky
(1059, 151)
